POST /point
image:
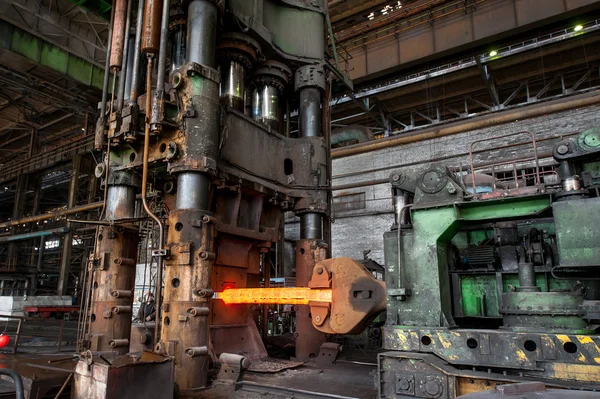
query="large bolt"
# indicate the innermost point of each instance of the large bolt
(403, 384)
(562, 149)
(320, 270)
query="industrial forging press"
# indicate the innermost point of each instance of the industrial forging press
(209, 132)
(485, 283)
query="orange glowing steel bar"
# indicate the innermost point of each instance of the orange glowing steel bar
(284, 296)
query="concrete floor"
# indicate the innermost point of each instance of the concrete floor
(351, 377)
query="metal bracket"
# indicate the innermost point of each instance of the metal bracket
(160, 252)
(232, 367)
(328, 353)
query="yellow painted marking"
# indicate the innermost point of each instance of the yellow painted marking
(584, 339)
(597, 359)
(414, 336)
(403, 340)
(521, 356)
(582, 358)
(576, 372)
(446, 344)
(563, 338)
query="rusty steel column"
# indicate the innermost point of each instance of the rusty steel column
(310, 82)
(185, 331)
(113, 267)
(308, 339)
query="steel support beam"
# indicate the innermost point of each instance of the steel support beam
(18, 208)
(42, 52)
(67, 246)
(74, 31)
(446, 27)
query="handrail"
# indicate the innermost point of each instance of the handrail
(535, 155)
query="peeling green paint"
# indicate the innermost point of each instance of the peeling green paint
(48, 55)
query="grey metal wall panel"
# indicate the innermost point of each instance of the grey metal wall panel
(498, 17)
(529, 11)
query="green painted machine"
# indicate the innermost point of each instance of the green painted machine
(491, 281)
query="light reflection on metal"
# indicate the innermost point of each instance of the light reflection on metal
(284, 296)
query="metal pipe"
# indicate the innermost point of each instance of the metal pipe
(201, 33)
(51, 215)
(178, 48)
(124, 56)
(105, 180)
(129, 67)
(135, 74)
(151, 26)
(19, 391)
(107, 69)
(161, 229)
(461, 127)
(122, 10)
(193, 192)
(157, 109)
(309, 116)
(27, 236)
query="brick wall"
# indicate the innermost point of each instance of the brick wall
(356, 231)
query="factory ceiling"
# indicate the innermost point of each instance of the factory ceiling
(52, 52)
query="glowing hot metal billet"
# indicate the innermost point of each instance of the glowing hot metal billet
(342, 294)
(284, 296)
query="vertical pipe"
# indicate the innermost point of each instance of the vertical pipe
(151, 26)
(161, 228)
(326, 123)
(118, 36)
(202, 33)
(106, 70)
(178, 48)
(157, 109)
(135, 74)
(129, 67)
(124, 56)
